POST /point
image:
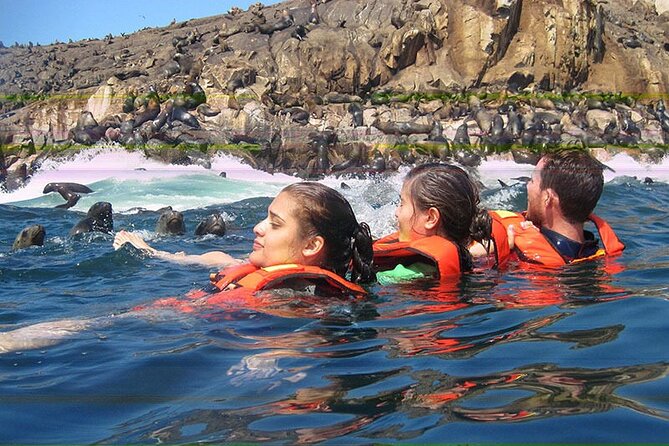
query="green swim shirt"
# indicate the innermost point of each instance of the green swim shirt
(403, 273)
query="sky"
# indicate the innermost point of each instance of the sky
(48, 21)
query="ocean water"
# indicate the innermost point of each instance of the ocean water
(575, 355)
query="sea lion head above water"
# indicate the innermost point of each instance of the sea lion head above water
(32, 235)
(99, 218)
(213, 224)
(171, 222)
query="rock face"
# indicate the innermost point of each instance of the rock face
(273, 76)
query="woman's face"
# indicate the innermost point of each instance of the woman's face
(411, 221)
(278, 238)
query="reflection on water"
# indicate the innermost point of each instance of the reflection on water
(436, 322)
(551, 392)
(498, 356)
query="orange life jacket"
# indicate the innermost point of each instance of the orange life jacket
(533, 247)
(251, 277)
(390, 252)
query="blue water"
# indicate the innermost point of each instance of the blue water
(576, 355)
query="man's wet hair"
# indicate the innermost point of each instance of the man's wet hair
(577, 178)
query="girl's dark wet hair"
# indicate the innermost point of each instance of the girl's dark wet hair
(449, 189)
(348, 244)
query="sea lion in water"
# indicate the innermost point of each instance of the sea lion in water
(171, 222)
(98, 219)
(32, 235)
(214, 224)
(69, 191)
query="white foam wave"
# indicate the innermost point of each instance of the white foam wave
(114, 162)
(619, 165)
(369, 195)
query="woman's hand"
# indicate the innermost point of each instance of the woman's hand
(211, 259)
(135, 240)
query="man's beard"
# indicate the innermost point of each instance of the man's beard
(534, 215)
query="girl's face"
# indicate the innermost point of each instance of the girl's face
(413, 223)
(278, 238)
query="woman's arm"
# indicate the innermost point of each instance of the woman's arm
(213, 259)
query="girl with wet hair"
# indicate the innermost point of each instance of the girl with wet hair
(439, 218)
(347, 244)
(309, 241)
(307, 224)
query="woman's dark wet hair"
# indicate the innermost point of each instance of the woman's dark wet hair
(449, 189)
(348, 244)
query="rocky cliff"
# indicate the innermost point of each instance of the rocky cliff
(311, 86)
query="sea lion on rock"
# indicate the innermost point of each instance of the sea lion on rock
(340, 98)
(437, 132)
(193, 95)
(467, 158)
(356, 112)
(483, 119)
(88, 136)
(171, 222)
(461, 137)
(297, 114)
(285, 21)
(206, 110)
(69, 191)
(526, 156)
(87, 131)
(628, 125)
(214, 224)
(99, 218)
(514, 126)
(611, 132)
(30, 236)
(320, 142)
(300, 32)
(180, 114)
(150, 111)
(164, 115)
(378, 164)
(497, 128)
(353, 161)
(86, 121)
(402, 128)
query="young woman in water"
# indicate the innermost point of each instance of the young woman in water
(439, 219)
(310, 240)
(308, 224)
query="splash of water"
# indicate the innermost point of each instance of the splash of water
(128, 179)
